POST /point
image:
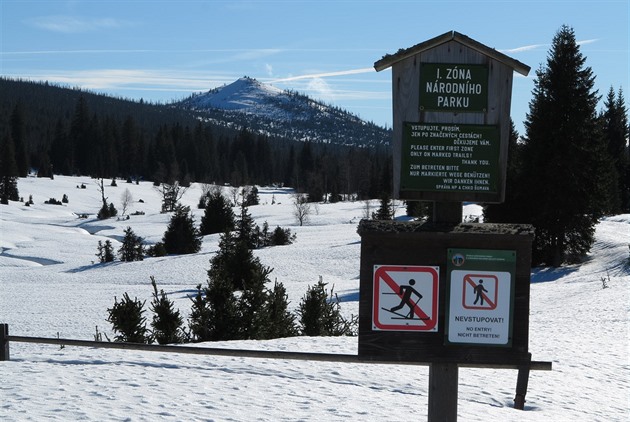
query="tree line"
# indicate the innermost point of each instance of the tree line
(89, 134)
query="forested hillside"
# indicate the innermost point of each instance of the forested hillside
(51, 129)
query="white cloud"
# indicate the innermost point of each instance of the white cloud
(134, 79)
(319, 88)
(326, 74)
(538, 46)
(587, 41)
(524, 48)
(73, 24)
(254, 54)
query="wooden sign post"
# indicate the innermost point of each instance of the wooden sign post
(446, 293)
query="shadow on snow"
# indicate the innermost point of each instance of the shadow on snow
(545, 274)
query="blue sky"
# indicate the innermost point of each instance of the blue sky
(164, 50)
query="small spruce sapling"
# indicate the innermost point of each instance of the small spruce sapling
(132, 248)
(320, 314)
(166, 326)
(181, 236)
(281, 321)
(199, 320)
(105, 252)
(128, 321)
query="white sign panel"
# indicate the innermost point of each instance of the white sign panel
(479, 307)
(405, 298)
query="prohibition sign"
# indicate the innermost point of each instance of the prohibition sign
(480, 291)
(405, 298)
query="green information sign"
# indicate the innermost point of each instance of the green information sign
(453, 87)
(450, 158)
(480, 296)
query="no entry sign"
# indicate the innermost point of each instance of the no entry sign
(480, 297)
(405, 298)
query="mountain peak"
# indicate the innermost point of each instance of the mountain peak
(242, 94)
(250, 103)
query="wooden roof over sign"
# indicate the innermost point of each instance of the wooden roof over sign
(391, 59)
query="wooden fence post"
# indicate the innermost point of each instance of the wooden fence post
(4, 342)
(521, 386)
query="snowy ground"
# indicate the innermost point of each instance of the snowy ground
(51, 284)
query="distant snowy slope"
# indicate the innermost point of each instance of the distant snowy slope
(268, 110)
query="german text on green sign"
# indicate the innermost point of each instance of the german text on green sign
(453, 87)
(450, 158)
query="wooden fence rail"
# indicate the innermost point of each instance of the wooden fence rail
(5, 339)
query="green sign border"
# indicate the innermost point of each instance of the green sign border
(481, 260)
(458, 87)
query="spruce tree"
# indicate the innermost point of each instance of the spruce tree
(8, 172)
(564, 162)
(281, 321)
(234, 262)
(250, 196)
(128, 321)
(218, 215)
(166, 325)
(105, 252)
(199, 320)
(320, 315)
(18, 134)
(281, 237)
(245, 228)
(511, 210)
(385, 211)
(221, 309)
(61, 151)
(419, 209)
(181, 236)
(616, 132)
(228, 316)
(82, 144)
(8, 189)
(132, 248)
(253, 310)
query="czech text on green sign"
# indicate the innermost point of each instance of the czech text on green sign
(453, 87)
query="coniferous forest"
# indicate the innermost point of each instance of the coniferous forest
(56, 130)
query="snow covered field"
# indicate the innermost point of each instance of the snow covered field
(51, 284)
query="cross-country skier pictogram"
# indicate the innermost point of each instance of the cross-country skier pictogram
(406, 291)
(405, 298)
(479, 290)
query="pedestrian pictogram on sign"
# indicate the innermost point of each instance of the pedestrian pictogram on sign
(480, 291)
(405, 298)
(479, 307)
